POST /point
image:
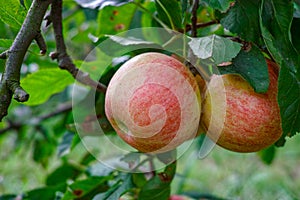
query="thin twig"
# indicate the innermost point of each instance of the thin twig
(65, 107)
(194, 18)
(64, 60)
(201, 25)
(41, 43)
(3, 55)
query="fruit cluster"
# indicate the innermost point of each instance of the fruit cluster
(154, 104)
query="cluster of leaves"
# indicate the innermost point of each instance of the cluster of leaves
(240, 32)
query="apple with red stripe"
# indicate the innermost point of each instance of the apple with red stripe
(153, 103)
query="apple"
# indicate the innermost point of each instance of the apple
(152, 102)
(178, 197)
(239, 119)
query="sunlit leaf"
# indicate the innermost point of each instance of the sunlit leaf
(214, 49)
(221, 5)
(169, 12)
(12, 13)
(5, 44)
(113, 20)
(93, 4)
(44, 83)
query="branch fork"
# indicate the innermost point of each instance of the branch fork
(31, 30)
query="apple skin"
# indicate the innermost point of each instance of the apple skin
(178, 197)
(152, 102)
(242, 120)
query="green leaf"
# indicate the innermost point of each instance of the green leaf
(129, 40)
(289, 100)
(155, 189)
(5, 44)
(121, 187)
(42, 84)
(27, 4)
(121, 45)
(86, 189)
(139, 179)
(243, 19)
(214, 49)
(252, 66)
(169, 12)
(267, 155)
(295, 30)
(131, 158)
(221, 5)
(9, 197)
(62, 174)
(167, 157)
(65, 145)
(47, 193)
(159, 187)
(12, 13)
(113, 20)
(43, 149)
(275, 23)
(99, 169)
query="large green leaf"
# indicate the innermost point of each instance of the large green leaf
(46, 193)
(65, 145)
(12, 13)
(86, 189)
(295, 30)
(252, 66)
(122, 45)
(267, 155)
(221, 5)
(44, 83)
(214, 49)
(62, 174)
(5, 44)
(122, 186)
(243, 19)
(159, 187)
(113, 20)
(275, 23)
(169, 12)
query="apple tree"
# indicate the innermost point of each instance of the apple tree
(70, 70)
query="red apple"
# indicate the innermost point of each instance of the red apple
(178, 197)
(238, 118)
(152, 102)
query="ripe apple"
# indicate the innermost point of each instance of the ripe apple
(152, 102)
(238, 118)
(178, 197)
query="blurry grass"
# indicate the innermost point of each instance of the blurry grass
(241, 176)
(222, 173)
(18, 172)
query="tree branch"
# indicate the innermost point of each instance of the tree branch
(200, 25)
(194, 18)
(3, 55)
(10, 82)
(64, 60)
(65, 107)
